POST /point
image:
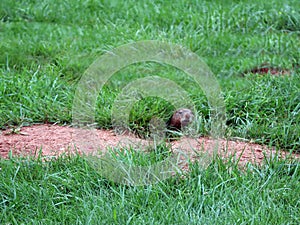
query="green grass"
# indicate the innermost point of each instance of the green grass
(68, 190)
(46, 47)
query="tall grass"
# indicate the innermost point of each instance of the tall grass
(69, 190)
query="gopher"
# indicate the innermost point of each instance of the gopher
(180, 119)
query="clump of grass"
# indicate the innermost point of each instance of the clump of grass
(267, 112)
(34, 95)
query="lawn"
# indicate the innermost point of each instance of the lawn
(47, 46)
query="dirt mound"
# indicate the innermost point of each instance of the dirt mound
(53, 140)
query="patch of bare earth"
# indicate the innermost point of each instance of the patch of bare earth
(53, 140)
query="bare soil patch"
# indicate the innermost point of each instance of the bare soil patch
(53, 140)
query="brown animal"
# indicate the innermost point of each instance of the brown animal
(180, 119)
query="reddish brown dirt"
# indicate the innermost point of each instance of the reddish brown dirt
(267, 68)
(53, 140)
